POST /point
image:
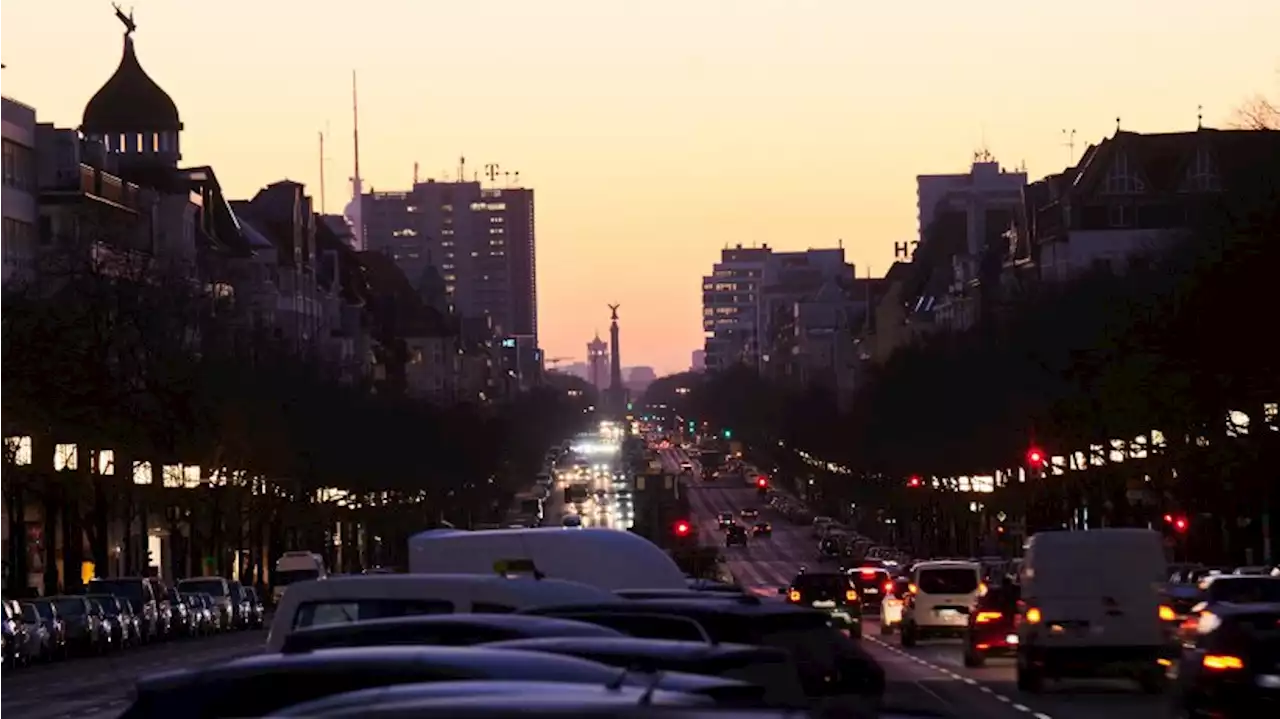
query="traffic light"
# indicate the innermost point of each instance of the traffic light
(1036, 457)
(728, 434)
(1179, 523)
(682, 528)
(915, 481)
(762, 482)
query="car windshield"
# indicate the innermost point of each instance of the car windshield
(820, 582)
(129, 588)
(948, 581)
(71, 607)
(285, 577)
(1244, 590)
(214, 587)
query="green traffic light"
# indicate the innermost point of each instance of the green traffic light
(728, 433)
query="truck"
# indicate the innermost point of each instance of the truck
(297, 566)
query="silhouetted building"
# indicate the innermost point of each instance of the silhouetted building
(698, 361)
(597, 355)
(21, 212)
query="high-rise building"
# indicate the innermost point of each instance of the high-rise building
(481, 240)
(737, 297)
(698, 361)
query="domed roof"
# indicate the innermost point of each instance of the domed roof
(130, 101)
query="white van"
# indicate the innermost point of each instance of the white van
(295, 567)
(354, 598)
(1091, 604)
(604, 558)
(939, 597)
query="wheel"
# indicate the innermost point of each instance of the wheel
(973, 658)
(1030, 679)
(1152, 681)
(908, 638)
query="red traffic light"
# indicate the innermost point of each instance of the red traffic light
(762, 481)
(1035, 457)
(1179, 523)
(915, 481)
(683, 528)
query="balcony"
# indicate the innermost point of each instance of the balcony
(90, 183)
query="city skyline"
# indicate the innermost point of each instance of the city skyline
(726, 135)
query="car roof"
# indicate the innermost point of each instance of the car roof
(404, 628)
(677, 651)
(529, 692)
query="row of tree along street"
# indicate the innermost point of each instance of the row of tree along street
(138, 405)
(1114, 399)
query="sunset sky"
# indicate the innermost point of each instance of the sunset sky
(655, 132)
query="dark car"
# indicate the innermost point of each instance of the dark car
(262, 684)
(872, 584)
(991, 631)
(1233, 667)
(725, 520)
(830, 549)
(830, 592)
(772, 670)
(451, 630)
(490, 699)
(762, 529)
(735, 535)
(830, 664)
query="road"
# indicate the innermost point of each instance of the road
(928, 677)
(100, 687)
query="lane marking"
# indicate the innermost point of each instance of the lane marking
(953, 675)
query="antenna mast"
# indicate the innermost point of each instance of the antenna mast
(357, 185)
(415, 172)
(1070, 144)
(322, 206)
(462, 168)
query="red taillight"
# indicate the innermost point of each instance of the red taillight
(867, 572)
(762, 482)
(888, 587)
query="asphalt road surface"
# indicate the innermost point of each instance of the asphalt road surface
(929, 677)
(101, 687)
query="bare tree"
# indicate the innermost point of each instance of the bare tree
(1258, 113)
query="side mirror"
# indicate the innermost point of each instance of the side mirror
(782, 591)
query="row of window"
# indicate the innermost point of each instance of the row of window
(19, 166)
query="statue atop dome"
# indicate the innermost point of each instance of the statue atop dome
(130, 27)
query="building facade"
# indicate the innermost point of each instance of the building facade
(19, 203)
(750, 290)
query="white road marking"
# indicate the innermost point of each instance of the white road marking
(967, 680)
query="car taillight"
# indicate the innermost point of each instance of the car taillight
(912, 589)
(867, 572)
(1032, 615)
(985, 617)
(793, 595)
(1222, 662)
(1167, 614)
(851, 596)
(888, 587)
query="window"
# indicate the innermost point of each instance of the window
(1119, 215)
(948, 581)
(19, 166)
(317, 614)
(1202, 175)
(1121, 178)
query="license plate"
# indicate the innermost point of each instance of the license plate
(870, 591)
(948, 613)
(824, 605)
